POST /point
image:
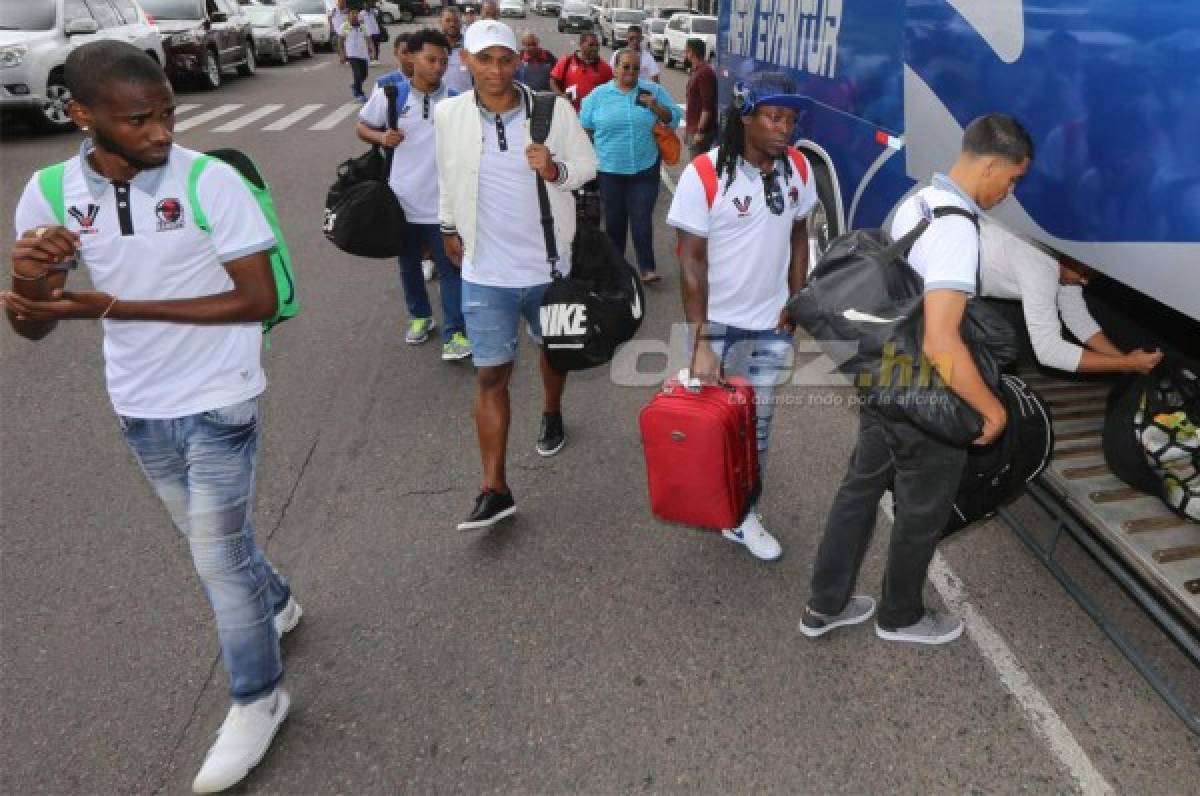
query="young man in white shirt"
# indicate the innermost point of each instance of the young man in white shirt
(491, 225)
(356, 47)
(1050, 293)
(742, 254)
(649, 67)
(922, 471)
(414, 181)
(458, 76)
(181, 311)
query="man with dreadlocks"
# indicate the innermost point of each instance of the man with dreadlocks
(741, 211)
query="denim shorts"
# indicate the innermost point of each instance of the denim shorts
(493, 315)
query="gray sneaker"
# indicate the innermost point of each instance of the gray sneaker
(458, 347)
(814, 624)
(418, 330)
(933, 628)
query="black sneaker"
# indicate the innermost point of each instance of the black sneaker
(490, 508)
(552, 436)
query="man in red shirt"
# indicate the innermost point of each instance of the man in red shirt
(575, 75)
(700, 116)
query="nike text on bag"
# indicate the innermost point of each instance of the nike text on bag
(583, 317)
(1000, 471)
(363, 217)
(1152, 435)
(287, 303)
(864, 295)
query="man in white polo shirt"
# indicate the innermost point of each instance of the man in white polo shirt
(491, 224)
(922, 471)
(634, 41)
(741, 211)
(415, 183)
(181, 311)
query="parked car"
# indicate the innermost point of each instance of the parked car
(656, 36)
(393, 11)
(666, 12)
(615, 23)
(682, 27)
(36, 36)
(512, 8)
(575, 17)
(313, 14)
(548, 8)
(204, 38)
(279, 34)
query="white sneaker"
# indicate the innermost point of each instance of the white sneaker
(754, 536)
(287, 619)
(242, 742)
(427, 269)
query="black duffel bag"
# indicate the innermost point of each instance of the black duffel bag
(998, 472)
(586, 316)
(864, 295)
(363, 217)
(1152, 434)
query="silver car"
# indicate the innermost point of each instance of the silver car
(279, 33)
(36, 36)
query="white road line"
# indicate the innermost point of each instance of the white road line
(315, 67)
(207, 116)
(335, 118)
(185, 107)
(292, 118)
(1012, 674)
(249, 118)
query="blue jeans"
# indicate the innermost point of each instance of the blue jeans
(493, 319)
(412, 280)
(629, 203)
(763, 358)
(202, 467)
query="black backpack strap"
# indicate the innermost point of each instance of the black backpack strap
(541, 112)
(904, 245)
(393, 119)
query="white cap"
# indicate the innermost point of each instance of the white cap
(489, 33)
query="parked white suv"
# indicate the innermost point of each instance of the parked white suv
(682, 27)
(37, 35)
(314, 14)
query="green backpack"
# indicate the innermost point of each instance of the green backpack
(50, 179)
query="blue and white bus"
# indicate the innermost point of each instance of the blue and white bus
(1110, 90)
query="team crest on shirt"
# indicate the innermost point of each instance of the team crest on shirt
(170, 214)
(86, 218)
(743, 205)
(794, 195)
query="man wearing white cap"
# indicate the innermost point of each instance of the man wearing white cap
(487, 171)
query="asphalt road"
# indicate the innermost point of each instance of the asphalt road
(584, 647)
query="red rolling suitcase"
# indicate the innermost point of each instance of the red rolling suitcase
(701, 453)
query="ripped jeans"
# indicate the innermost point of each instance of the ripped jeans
(202, 466)
(764, 358)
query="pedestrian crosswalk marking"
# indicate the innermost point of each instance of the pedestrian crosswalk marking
(335, 118)
(293, 117)
(207, 116)
(185, 107)
(249, 118)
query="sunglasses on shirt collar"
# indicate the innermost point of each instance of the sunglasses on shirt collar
(772, 192)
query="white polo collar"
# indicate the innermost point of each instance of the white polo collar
(147, 181)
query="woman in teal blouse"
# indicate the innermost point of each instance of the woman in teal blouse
(621, 115)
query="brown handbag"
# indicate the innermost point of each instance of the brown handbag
(668, 143)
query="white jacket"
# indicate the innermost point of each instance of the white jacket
(459, 128)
